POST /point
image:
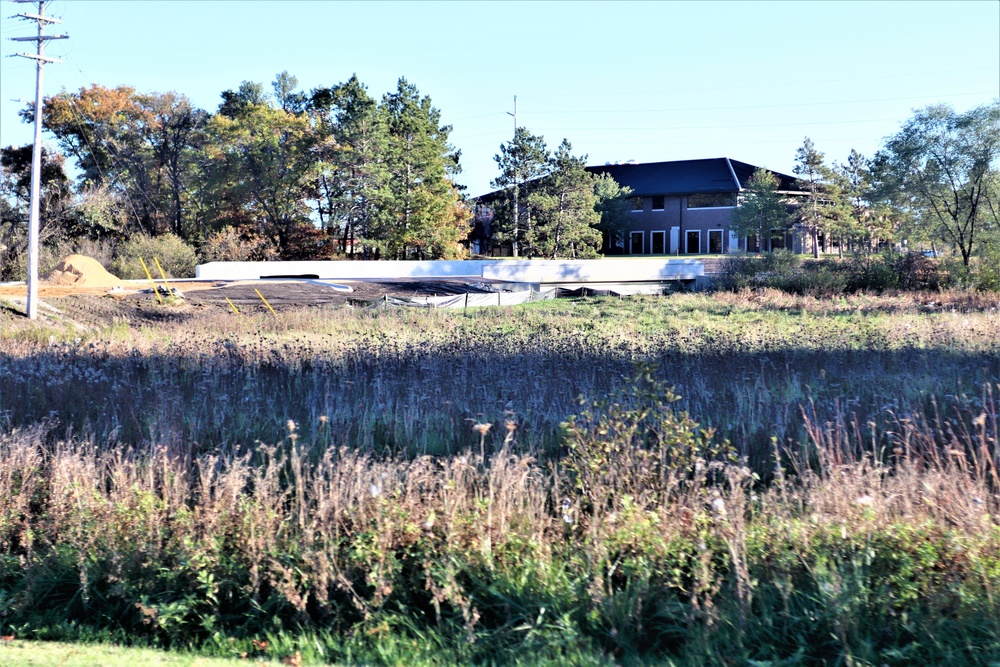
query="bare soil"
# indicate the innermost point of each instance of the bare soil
(85, 306)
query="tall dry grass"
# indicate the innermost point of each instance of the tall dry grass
(398, 487)
(849, 554)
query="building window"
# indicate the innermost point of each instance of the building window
(636, 203)
(658, 203)
(712, 200)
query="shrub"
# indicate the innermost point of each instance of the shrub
(814, 279)
(305, 242)
(231, 244)
(635, 443)
(987, 273)
(737, 272)
(766, 270)
(895, 270)
(177, 258)
(874, 273)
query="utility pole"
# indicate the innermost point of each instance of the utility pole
(36, 153)
(517, 181)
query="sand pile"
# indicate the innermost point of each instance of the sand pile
(82, 271)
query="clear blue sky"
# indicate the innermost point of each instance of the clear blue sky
(645, 81)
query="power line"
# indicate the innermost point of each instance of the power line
(822, 83)
(760, 106)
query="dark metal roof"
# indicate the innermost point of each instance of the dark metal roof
(744, 171)
(682, 177)
(679, 177)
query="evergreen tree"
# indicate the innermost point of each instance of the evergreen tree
(566, 206)
(761, 209)
(818, 212)
(419, 193)
(521, 161)
(352, 174)
(866, 223)
(234, 102)
(288, 100)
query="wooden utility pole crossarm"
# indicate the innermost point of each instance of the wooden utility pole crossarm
(36, 155)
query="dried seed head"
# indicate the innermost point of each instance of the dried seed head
(482, 429)
(291, 425)
(323, 419)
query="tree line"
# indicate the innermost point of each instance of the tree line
(286, 174)
(936, 181)
(291, 174)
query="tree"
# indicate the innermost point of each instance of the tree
(419, 194)
(521, 161)
(177, 135)
(54, 208)
(761, 209)
(260, 170)
(141, 147)
(811, 170)
(939, 167)
(867, 221)
(288, 100)
(235, 102)
(352, 173)
(614, 206)
(566, 204)
(823, 209)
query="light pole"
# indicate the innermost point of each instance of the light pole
(517, 183)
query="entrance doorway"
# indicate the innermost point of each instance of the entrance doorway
(658, 240)
(715, 241)
(635, 243)
(693, 242)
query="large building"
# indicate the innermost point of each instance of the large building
(680, 207)
(684, 207)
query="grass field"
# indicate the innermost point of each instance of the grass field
(694, 479)
(58, 654)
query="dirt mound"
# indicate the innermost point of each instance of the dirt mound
(82, 271)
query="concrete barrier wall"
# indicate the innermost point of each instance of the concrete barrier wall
(340, 270)
(534, 271)
(593, 270)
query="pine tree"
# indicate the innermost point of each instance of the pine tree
(419, 193)
(352, 173)
(521, 161)
(761, 209)
(565, 202)
(818, 213)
